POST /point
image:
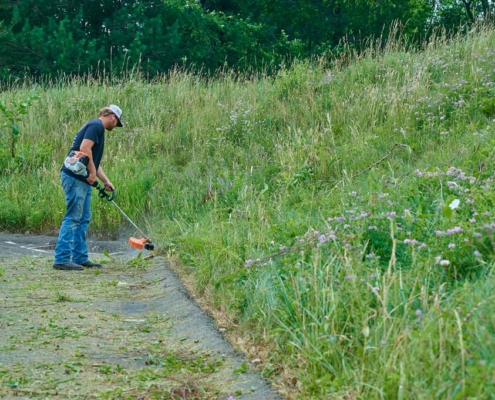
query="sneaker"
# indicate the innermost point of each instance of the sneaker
(69, 266)
(91, 264)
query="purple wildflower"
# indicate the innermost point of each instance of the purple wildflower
(323, 239)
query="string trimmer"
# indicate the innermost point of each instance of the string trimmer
(139, 244)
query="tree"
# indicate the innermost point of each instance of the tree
(455, 13)
(50, 37)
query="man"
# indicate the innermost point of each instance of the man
(80, 170)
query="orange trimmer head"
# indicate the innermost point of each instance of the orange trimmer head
(141, 244)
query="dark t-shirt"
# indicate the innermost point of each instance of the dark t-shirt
(92, 130)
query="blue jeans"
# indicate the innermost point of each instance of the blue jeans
(72, 237)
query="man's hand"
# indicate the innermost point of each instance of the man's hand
(91, 178)
(109, 186)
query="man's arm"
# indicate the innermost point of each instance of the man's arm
(86, 147)
(108, 185)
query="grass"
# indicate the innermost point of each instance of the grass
(316, 209)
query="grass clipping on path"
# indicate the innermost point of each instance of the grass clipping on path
(69, 334)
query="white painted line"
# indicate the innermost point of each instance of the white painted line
(30, 248)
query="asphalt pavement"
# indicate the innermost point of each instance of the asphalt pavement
(18, 245)
(192, 321)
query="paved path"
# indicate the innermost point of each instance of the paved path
(164, 294)
(17, 245)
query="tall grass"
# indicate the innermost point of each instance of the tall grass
(315, 207)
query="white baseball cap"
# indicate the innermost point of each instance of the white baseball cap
(118, 113)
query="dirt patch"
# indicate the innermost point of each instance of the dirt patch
(127, 331)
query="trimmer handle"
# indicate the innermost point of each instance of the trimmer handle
(102, 193)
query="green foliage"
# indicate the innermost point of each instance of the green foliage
(456, 14)
(488, 106)
(11, 215)
(110, 40)
(13, 115)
